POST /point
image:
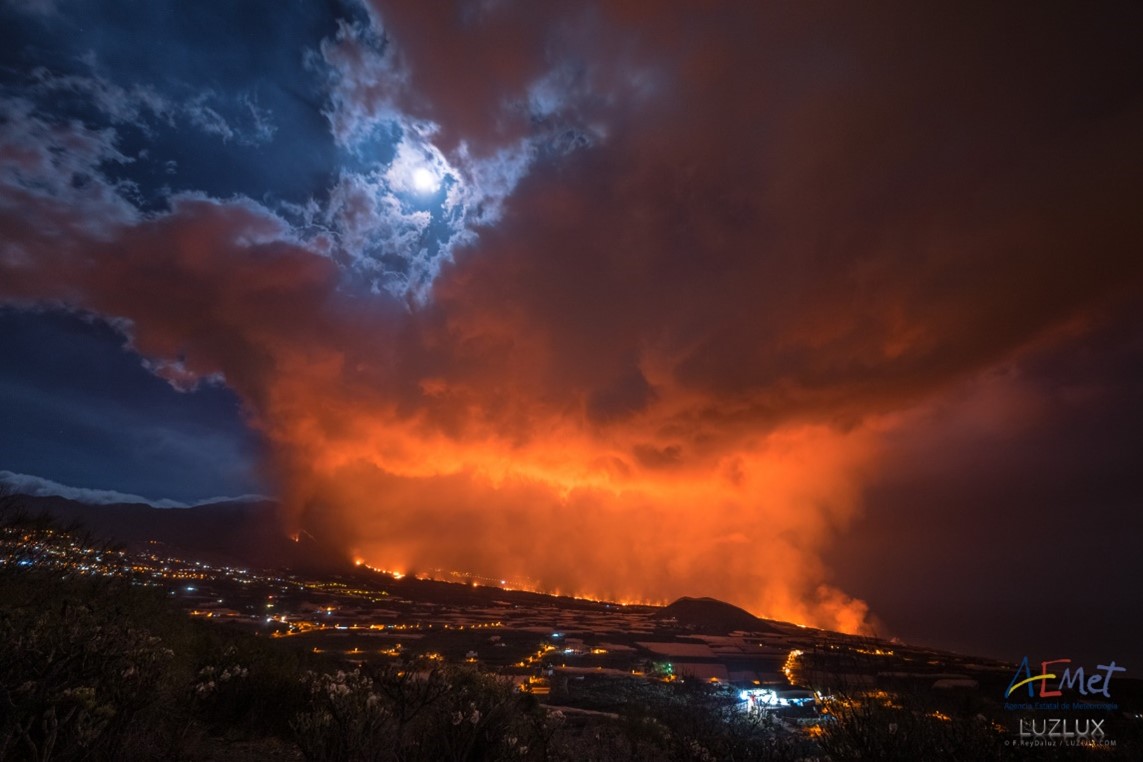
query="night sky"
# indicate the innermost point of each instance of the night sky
(828, 310)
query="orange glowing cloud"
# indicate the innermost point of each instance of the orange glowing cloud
(669, 367)
(749, 526)
(473, 471)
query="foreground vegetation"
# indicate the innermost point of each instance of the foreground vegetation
(100, 669)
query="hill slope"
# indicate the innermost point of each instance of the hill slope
(710, 614)
(241, 533)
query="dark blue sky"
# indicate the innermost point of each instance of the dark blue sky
(79, 408)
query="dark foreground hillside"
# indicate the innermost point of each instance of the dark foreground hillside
(105, 667)
(97, 669)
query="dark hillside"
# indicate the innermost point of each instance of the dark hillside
(712, 615)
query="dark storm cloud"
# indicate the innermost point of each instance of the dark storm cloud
(842, 213)
(545, 72)
(627, 394)
(473, 103)
(1003, 494)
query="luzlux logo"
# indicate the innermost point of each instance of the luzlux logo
(1071, 678)
(1057, 729)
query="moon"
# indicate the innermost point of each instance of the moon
(425, 180)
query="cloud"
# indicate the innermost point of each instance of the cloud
(121, 105)
(997, 481)
(372, 223)
(56, 169)
(35, 486)
(175, 372)
(395, 232)
(143, 106)
(364, 80)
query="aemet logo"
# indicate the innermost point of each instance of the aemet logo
(1071, 678)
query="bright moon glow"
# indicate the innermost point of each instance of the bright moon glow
(424, 180)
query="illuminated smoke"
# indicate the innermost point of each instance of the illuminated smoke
(685, 285)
